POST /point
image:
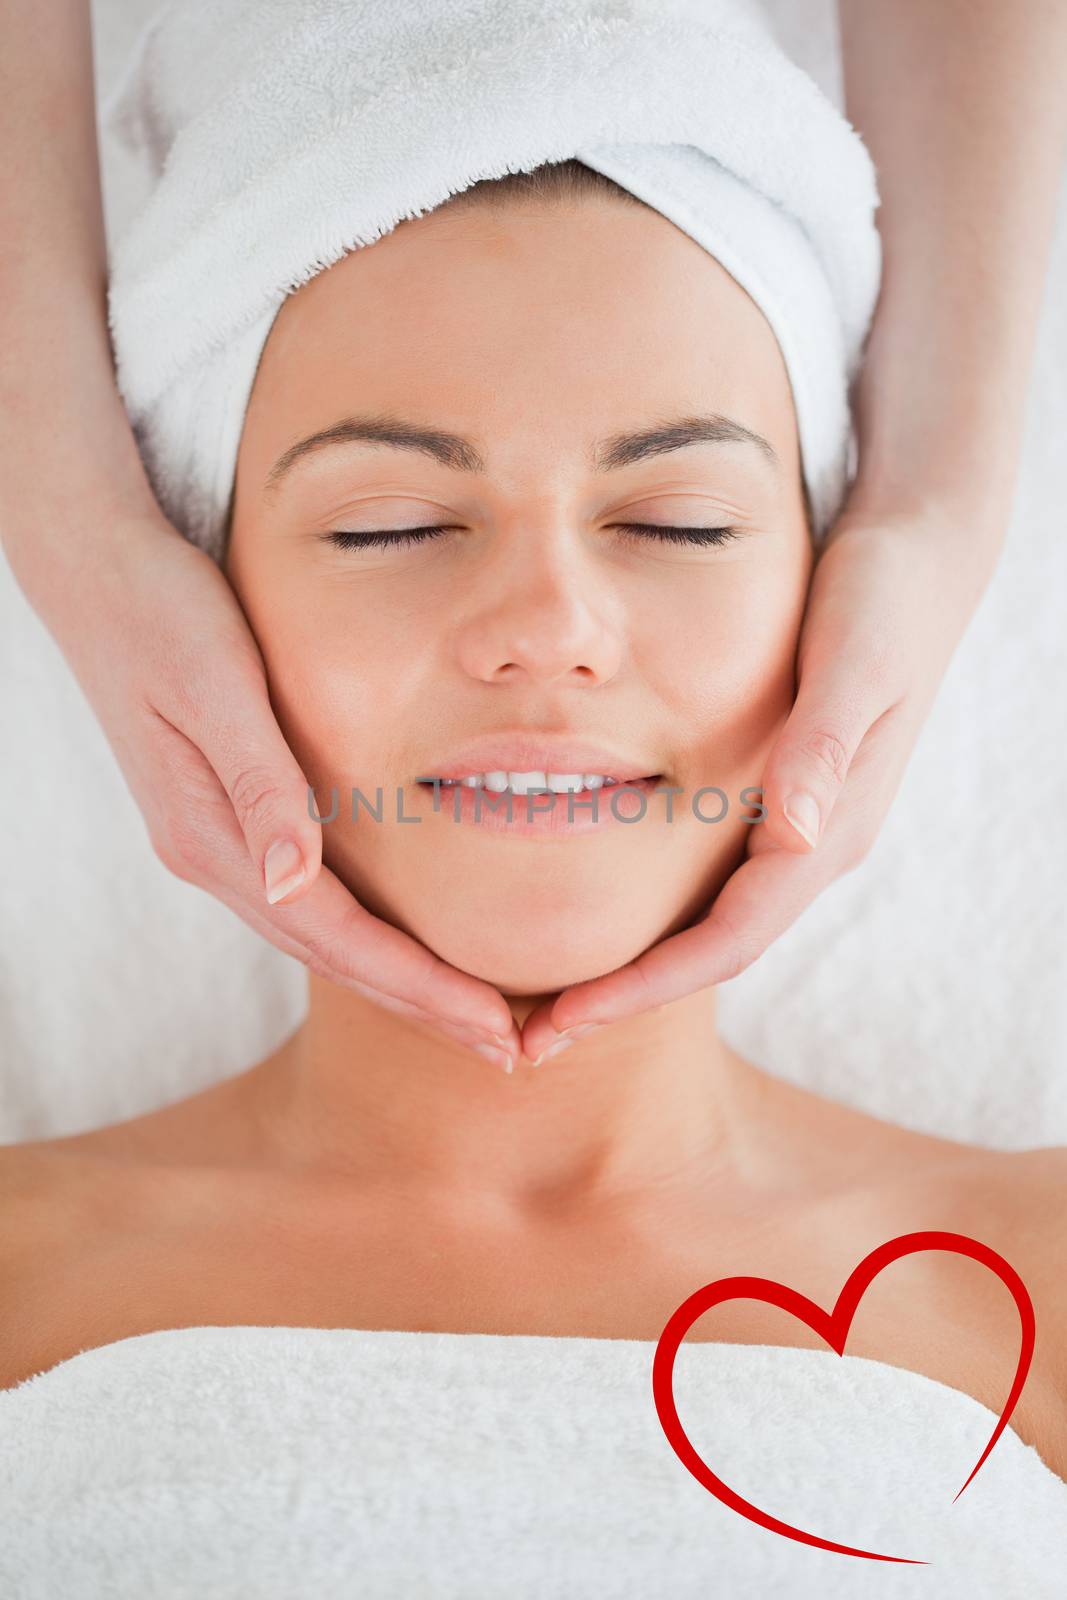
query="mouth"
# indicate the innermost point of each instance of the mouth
(542, 805)
(523, 783)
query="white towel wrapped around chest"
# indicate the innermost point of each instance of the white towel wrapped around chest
(280, 134)
(309, 1464)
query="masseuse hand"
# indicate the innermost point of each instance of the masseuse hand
(888, 603)
(149, 623)
(968, 178)
(161, 648)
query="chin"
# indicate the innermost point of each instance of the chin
(547, 939)
(532, 960)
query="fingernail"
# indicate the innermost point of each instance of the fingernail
(283, 870)
(803, 812)
(471, 1033)
(499, 1058)
(553, 1050)
(565, 1039)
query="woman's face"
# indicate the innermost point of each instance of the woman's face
(541, 335)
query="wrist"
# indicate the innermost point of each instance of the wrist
(68, 540)
(945, 530)
(72, 500)
(974, 508)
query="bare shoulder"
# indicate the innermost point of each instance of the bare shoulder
(1041, 1177)
(1032, 1197)
(1036, 1205)
(1022, 1189)
(966, 1332)
(1022, 1195)
(58, 1194)
(27, 1173)
(30, 1222)
(63, 1203)
(1017, 1203)
(41, 1193)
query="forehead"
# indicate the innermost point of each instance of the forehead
(565, 319)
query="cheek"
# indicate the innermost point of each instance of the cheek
(328, 674)
(729, 659)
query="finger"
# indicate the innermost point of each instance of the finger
(813, 753)
(346, 944)
(757, 903)
(327, 928)
(502, 1049)
(238, 733)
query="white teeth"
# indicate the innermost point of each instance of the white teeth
(524, 782)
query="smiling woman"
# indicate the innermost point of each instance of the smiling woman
(566, 537)
(525, 500)
(544, 384)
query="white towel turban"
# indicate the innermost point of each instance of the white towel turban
(281, 134)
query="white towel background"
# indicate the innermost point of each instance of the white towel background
(323, 1463)
(929, 986)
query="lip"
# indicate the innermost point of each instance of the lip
(538, 816)
(524, 752)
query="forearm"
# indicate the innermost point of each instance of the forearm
(963, 106)
(68, 461)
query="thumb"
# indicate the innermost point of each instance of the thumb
(810, 760)
(271, 800)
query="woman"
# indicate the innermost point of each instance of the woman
(67, 520)
(370, 1173)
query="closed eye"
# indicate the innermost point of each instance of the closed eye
(346, 539)
(672, 535)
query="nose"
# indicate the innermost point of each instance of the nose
(542, 610)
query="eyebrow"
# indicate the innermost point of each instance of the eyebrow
(460, 455)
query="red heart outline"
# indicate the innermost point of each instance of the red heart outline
(833, 1327)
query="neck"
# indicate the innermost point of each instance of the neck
(646, 1105)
